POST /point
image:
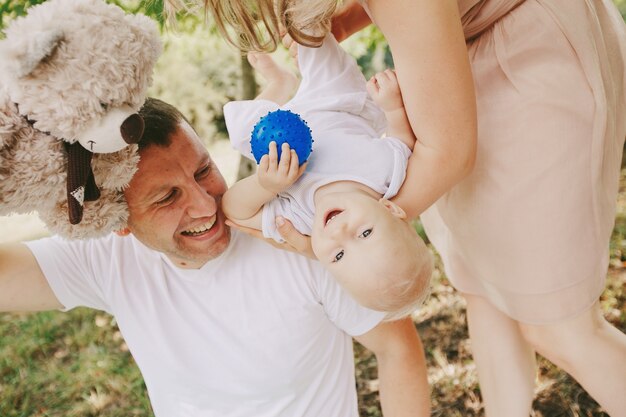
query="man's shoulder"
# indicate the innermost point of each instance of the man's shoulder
(107, 245)
(250, 249)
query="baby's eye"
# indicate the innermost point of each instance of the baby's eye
(365, 233)
(338, 257)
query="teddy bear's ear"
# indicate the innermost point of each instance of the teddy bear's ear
(20, 57)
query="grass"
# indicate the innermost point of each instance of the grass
(77, 364)
(74, 364)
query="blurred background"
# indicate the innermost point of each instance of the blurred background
(77, 364)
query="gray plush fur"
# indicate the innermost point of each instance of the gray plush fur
(62, 67)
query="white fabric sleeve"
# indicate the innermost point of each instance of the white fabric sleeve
(70, 268)
(401, 155)
(278, 206)
(343, 310)
(332, 80)
(240, 118)
(288, 208)
(328, 70)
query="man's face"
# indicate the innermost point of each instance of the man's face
(174, 201)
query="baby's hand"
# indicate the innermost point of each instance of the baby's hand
(384, 89)
(274, 175)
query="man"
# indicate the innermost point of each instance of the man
(219, 325)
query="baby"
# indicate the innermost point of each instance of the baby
(342, 200)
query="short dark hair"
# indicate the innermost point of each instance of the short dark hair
(161, 121)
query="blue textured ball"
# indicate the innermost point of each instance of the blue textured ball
(281, 126)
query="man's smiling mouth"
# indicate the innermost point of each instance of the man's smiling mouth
(200, 229)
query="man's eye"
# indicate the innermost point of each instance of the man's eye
(167, 199)
(203, 172)
(338, 257)
(365, 233)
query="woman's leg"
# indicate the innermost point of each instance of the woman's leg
(504, 360)
(591, 350)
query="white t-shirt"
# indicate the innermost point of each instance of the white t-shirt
(257, 332)
(346, 126)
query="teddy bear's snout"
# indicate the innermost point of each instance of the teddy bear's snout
(132, 129)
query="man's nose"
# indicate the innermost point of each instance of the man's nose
(200, 203)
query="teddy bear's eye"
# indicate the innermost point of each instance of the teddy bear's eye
(104, 106)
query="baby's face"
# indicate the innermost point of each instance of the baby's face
(356, 237)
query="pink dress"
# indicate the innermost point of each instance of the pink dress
(529, 229)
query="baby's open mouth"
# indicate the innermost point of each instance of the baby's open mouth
(199, 230)
(331, 215)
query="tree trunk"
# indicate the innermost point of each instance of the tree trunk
(249, 91)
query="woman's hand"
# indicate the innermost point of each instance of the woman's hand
(294, 240)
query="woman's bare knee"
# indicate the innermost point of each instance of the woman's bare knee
(567, 340)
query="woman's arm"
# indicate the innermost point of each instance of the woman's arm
(433, 70)
(349, 19)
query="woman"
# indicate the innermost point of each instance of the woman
(524, 235)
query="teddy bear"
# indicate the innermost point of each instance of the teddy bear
(73, 75)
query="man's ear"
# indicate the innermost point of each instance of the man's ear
(395, 209)
(123, 232)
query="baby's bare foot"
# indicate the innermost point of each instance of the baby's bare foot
(265, 65)
(280, 81)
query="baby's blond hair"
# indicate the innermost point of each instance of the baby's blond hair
(408, 292)
(257, 24)
(408, 286)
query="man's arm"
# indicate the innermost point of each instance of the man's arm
(23, 286)
(404, 387)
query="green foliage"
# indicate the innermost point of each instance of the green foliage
(370, 49)
(10, 9)
(198, 73)
(621, 5)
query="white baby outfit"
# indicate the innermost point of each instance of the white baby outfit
(346, 127)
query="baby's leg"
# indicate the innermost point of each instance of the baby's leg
(281, 83)
(328, 71)
(591, 350)
(504, 360)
